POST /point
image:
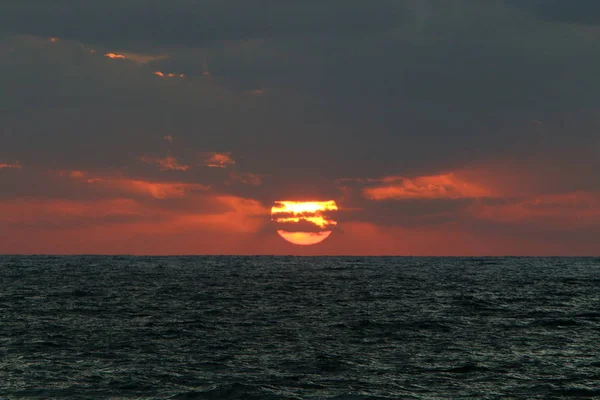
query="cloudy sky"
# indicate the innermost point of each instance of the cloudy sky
(439, 127)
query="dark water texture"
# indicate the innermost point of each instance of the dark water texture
(299, 328)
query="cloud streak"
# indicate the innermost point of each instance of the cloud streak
(218, 160)
(15, 165)
(165, 164)
(157, 190)
(444, 186)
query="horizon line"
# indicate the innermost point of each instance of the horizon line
(286, 255)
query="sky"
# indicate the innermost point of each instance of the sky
(438, 127)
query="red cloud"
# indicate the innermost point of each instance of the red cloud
(15, 165)
(124, 225)
(444, 186)
(157, 190)
(114, 56)
(139, 58)
(165, 164)
(168, 75)
(218, 160)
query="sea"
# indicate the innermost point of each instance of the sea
(267, 327)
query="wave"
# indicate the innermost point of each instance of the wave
(232, 391)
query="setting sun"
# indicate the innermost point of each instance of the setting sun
(304, 222)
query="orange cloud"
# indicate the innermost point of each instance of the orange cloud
(128, 226)
(241, 215)
(235, 214)
(114, 56)
(444, 186)
(15, 165)
(165, 164)
(157, 190)
(138, 58)
(218, 160)
(168, 75)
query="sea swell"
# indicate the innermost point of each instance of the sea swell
(298, 328)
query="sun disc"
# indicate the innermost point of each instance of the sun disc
(313, 220)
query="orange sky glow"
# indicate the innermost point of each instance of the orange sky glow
(142, 214)
(140, 149)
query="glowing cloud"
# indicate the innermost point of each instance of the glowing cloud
(313, 220)
(218, 160)
(138, 58)
(157, 190)
(168, 75)
(445, 186)
(239, 215)
(77, 174)
(11, 166)
(114, 56)
(165, 164)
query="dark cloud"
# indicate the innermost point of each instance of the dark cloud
(407, 213)
(187, 22)
(70, 109)
(575, 12)
(300, 95)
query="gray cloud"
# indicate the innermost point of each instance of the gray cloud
(576, 12)
(350, 89)
(193, 22)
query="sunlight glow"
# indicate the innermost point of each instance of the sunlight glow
(304, 238)
(315, 213)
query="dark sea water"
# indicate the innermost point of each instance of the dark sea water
(299, 328)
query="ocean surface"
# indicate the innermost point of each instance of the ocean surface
(299, 328)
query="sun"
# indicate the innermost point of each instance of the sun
(304, 222)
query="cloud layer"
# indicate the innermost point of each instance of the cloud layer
(438, 127)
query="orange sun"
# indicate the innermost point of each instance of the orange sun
(304, 222)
